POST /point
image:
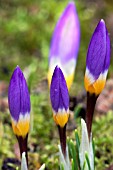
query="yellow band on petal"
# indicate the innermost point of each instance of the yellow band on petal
(21, 128)
(61, 118)
(96, 87)
(69, 79)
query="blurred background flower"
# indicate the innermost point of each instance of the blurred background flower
(65, 44)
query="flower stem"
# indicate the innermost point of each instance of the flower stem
(91, 101)
(23, 146)
(62, 134)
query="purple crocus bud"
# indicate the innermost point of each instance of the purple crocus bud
(65, 44)
(19, 103)
(97, 64)
(59, 98)
(98, 60)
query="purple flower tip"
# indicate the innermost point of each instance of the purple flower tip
(18, 95)
(58, 91)
(98, 56)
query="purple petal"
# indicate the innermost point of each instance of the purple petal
(107, 60)
(58, 91)
(98, 55)
(18, 95)
(66, 36)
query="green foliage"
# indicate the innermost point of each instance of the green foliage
(87, 161)
(62, 167)
(74, 149)
(26, 30)
(103, 132)
(73, 154)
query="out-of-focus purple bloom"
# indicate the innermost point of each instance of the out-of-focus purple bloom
(65, 44)
(59, 97)
(98, 59)
(19, 103)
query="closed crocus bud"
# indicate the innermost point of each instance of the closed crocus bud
(60, 105)
(19, 103)
(65, 44)
(98, 60)
(59, 98)
(97, 64)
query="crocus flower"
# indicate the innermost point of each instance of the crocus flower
(98, 60)
(59, 98)
(65, 44)
(19, 106)
(97, 64)
(60, 104)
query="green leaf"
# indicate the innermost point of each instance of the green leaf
(73, 154)
(84, 165)
(77, 147)
(87, 160)
(73, 166)
(93, 145)
(77, 139)
(77, 111)
(61, 167)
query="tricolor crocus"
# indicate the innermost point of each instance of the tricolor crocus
(65, 44)
(97, 64)
(60, 104)
(19, 106)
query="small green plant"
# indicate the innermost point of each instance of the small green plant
(82, 152)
